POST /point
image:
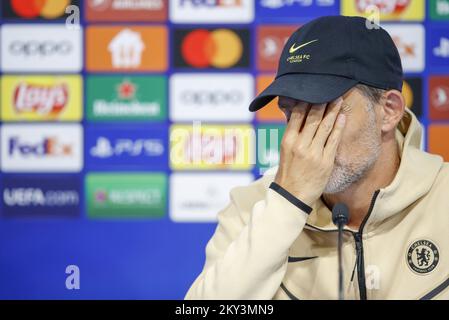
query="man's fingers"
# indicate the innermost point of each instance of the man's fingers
(312, 123)
(335, 137)
(292, 130)
(327, 124)
(297, 117)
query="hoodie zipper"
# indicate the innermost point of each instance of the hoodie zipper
(360, 264)
(360, 261)
(358, 237)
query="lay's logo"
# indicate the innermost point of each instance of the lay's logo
(41, 98)
(389, 10)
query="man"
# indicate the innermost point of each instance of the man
(349, 139)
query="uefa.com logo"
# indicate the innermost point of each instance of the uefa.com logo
(216, 146)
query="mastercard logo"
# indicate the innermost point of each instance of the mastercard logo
(219, 48)
(48, 9)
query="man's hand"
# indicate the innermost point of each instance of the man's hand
(307, 156)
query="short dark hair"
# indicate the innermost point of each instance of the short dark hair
(372, 93)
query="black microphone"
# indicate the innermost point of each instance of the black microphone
(340, 217)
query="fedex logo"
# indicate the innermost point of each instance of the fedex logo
(212, 3)
(41, 148)
(46, 147)
(211, 11)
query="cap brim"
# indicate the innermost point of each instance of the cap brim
(311, 88)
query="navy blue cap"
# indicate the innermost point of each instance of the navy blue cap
(328, 56)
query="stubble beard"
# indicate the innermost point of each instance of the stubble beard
(348, 171)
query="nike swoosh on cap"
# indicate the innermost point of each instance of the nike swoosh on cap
(293, 49)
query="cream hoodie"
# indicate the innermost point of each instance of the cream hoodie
(265, 247)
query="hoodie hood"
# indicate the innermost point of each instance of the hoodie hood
(414, 178)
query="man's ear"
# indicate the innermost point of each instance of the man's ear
(393, 109)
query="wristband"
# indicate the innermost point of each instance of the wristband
(291, 198)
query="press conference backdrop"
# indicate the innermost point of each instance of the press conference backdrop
(119, 135)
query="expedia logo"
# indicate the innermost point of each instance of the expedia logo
(126, 10)
(102, 5)
(423, 256)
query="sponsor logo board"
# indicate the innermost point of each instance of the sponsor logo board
(211, 97)
(126, 195)
(126, 48)
(41, 48)
(126, 147)
(41, 98)
(41, 148)
(129, 98)
(199, 197)
(36, 196)
(212, 147)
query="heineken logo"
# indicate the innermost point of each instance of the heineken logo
(126, 89)
(131, 98)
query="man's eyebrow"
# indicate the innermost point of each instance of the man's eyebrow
(286, 105)
(281, 106)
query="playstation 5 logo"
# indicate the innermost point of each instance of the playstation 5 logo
(104, 148)
(442, 50)
(276, 4)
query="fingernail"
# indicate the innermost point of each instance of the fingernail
(341, 119)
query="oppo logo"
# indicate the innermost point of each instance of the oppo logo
(211, 97)
(44, 48)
